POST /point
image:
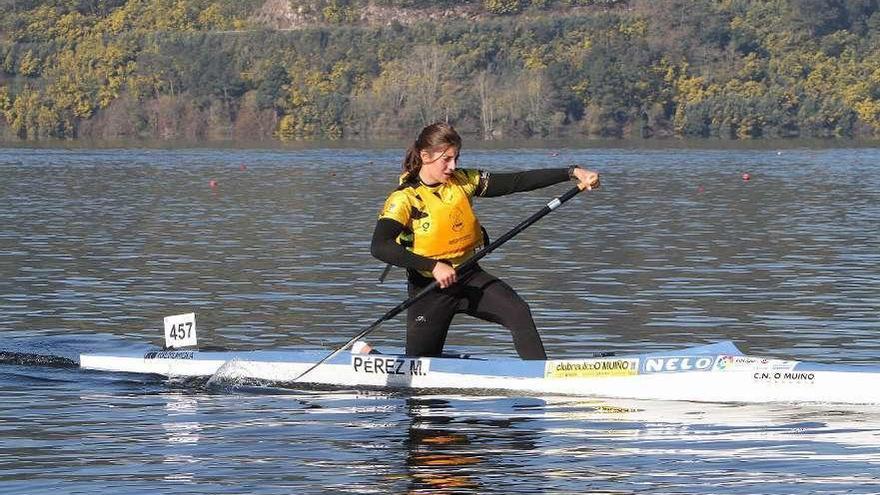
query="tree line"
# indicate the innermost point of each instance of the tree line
(207, 70)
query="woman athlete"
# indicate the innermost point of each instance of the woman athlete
(428, 227)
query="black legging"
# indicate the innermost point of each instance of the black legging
(478, 294)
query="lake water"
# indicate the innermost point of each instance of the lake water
(97, 246)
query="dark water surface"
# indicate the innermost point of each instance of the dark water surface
(676, 248)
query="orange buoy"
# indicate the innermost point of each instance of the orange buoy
(212, 184)
(746, 176)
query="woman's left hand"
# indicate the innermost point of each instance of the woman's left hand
(589, 178)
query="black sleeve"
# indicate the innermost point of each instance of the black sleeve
(385, 247)
(509, 183)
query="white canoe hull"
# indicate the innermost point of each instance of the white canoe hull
(713, 373)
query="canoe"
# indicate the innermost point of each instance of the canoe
(717, 372)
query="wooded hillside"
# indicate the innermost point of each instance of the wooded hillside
(223, 69)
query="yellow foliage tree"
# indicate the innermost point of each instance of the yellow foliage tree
(28, 115)
(5, 100)
(29, 65)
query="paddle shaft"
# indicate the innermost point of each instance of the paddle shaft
(467, 265)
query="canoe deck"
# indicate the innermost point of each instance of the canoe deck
(717, 372)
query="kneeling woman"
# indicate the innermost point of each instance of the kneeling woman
(428, 227)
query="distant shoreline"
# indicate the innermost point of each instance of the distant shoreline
(472, 143)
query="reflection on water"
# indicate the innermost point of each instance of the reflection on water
(559, 444)
(179, 431)
(97, 246)
(437, 455)
(129, 435)
(449, 451)
(565, 444)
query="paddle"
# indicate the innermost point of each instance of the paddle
(467, 265)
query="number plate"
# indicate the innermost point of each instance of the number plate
(180, 330)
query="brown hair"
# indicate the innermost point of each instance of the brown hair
(436, 134)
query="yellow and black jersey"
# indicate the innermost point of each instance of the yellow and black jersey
(420, 224)
(439, 221)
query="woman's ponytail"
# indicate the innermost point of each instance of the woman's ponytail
(412, 162)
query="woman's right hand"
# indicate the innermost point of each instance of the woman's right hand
(444, 274)
(587, 179)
